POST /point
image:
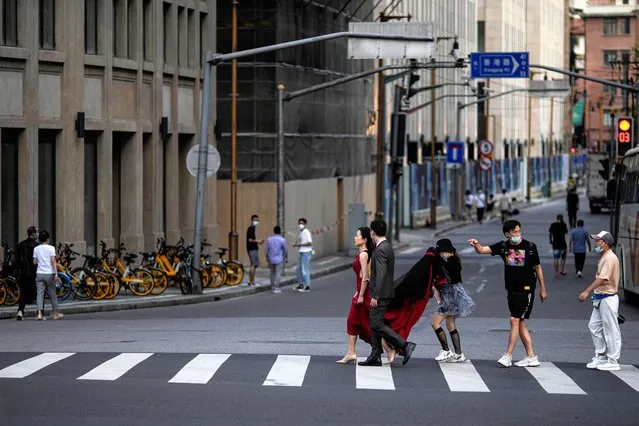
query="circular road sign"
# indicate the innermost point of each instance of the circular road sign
(486, 147)
(486, 163)
(212, 162)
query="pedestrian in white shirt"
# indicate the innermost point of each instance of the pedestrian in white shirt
(504, 206)
(480, 203)
(305, 244)
(469, 203)
(46, 275)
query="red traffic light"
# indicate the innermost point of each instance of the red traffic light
(573, 150)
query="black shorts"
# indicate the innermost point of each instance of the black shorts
(520, 303)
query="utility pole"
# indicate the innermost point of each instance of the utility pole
(433, 161)
(625, 58)
(529, 147)
(280, 157)
(233, 236)
(550, 150)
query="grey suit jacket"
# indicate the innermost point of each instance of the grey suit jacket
(383, 271)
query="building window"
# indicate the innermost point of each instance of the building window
(9, 23)
(607, 119)
(192, 62)
(120, 28)
(132, 33)
(47, 24)
(203, 36)
(182, 34)
(609, 56)
(167, 32)
(610, 26)
(610, 90)
(147, 30)
(625, 26)
(91, 27)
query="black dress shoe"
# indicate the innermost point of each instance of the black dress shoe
(371, 361)
(407, 351)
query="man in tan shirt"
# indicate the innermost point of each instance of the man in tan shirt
(603, 324)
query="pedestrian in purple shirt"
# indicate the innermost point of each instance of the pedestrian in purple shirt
(276, 255)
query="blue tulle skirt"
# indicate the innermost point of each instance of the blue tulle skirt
(455, 301)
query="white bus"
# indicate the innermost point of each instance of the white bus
(625, 223)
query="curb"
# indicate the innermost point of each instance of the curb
(175, 300)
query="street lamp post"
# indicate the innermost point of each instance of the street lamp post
(280, 156)
(233, 236)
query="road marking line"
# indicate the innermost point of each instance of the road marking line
(467, 250)
(200, 369)
(410, 250)
(378, 378)
(329, 260)
(553, 380)
(29, 366)
(288, 370)
(115, 367)
(481, 287)
(482, 269)
(463, 377)
(629, 374)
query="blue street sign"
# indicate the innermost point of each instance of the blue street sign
(455, 152)
(499, 65)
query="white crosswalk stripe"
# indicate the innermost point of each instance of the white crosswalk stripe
(200, 369)
(378, 378)
(29, 366)
(288, 370)
(463, 377)
(115, 367)
(553, 380)
(630, 375)
(411, 250)
(292, 371)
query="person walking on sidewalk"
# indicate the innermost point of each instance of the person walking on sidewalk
(27, 280)
(469, 203)
(522, 269)
(305, 244)
(276, 255)
(44, 258)
(558, 231)
(603, 324)
(572, 205)
(579, 237)
(252, 247)
(480, 202)
(453, 300)
(504, 206)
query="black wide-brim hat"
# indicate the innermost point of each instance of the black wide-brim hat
(445, 245)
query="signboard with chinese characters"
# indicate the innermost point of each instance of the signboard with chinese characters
(499, 65)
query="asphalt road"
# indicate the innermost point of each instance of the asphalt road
(269, 359)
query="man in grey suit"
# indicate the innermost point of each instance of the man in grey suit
(382, 290)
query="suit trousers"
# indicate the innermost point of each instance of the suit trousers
(379, 329)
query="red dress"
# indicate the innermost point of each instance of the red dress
(357, 323)
(401, 316)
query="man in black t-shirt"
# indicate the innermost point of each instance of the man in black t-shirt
(522, 269)
(252, 248)
(558, 231)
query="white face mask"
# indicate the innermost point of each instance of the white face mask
(255, 223)
(302, 226)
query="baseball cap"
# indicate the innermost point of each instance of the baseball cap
(603, 235)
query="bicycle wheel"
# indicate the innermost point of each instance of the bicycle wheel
(115, 285)
(63, 287)
(103, 286)
(160, 281)
(217, 276)
(140, 282)
(3, 292)
(12, 291)
(83, 284)
(234, 272)
(185, 280)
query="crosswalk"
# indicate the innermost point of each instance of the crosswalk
(295, 371)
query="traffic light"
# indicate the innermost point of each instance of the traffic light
(605, 173)
(625, 134)
(398, 134)
(396, 173)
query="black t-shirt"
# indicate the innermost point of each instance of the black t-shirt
(250, 235)
(573, 201)
(558, 230)
(519, 264)
(451, 268)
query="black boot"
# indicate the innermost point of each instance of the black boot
(372, 361)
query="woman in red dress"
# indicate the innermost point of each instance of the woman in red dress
(357, 323)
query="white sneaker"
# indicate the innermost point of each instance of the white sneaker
(609, 365)
(596, 362)
(276, 290)
(444, 355)
(579, 274)
(529, 361)
(457, 358)
(505, 361)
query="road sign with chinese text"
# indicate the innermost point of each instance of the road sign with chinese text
(499, 65)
